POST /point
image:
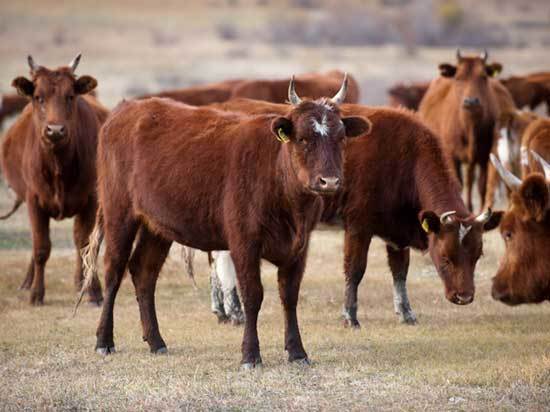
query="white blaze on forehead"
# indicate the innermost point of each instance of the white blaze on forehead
(321, 126)
(462, 232)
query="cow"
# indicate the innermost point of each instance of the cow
(11, 104)
(530, 90)
(48, 159)
(407, 95)
(536, 138)
(523, 275)
(399, 187)
(461, 106)
(215, 181)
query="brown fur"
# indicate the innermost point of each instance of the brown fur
(536, 138)
(11, 104)
(530, 90)
(407, 95)
(199, 95)
(55, 178)
(213, 181)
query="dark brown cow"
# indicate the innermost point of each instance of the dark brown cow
(462, 107)
(11, 104)
(48, 158)
(530, 90)
(408, 95)
(523, 275)
(398, 187)
(213, 181)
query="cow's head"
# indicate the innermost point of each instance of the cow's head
(471, 75)
(455, 245)
(313, 133)
(524, 272)
(54, 95)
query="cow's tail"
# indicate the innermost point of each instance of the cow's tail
(18, 202)
(189, 257)
(89, 254)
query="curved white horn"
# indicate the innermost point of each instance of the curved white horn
(485, 216)
(485, 55)
(512, 181)
(293, 97)
(545, 165)
(74, 63)
(341, 95)
(34, 67)
(445, 217)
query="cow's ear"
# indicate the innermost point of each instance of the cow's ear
(534, 196)
(282, 127)
(493, 221)
(356, 126)
(429, 221)
(447, 70)
(24, 86)
(85, 84)
(493, 69)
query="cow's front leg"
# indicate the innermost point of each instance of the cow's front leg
(41, 247)
(398, 259)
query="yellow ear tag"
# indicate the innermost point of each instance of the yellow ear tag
(281, 136)
(425, 226)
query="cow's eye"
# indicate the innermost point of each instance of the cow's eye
(39, 99)
(507, 235)
(302, 141)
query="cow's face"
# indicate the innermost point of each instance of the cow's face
(54, 96)
(314, 133)
(455, 245)
(471, 75)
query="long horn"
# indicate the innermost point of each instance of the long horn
(34, 67)
(74, 63)
(458, 55)
(485, 55)
(341, 95)
(512, 181)
(485, 216)
(293, 97)
(545, 165)
(445, 217)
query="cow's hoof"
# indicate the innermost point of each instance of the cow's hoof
(352, 324)
(36, 300)
(160, 351)
(95, 303)
(108, 350)
(408, 318)
(301, 362)
(248, 366)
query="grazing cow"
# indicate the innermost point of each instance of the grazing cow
(11, 104)
(523, 275)
(48, 158)
(215, 181)
(408, 95)
(398, 187)
(530, 90)
(462, 107)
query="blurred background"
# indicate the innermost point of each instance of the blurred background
(140, 46)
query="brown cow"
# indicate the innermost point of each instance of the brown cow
(11, 104)
(48, 158)
(258, 182)
(530, 90)
(408, 95)
(311, 85)
(524, 272)
(462, 107)
(398, 187)
(536, 138)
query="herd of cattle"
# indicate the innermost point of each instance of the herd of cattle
(246, 168)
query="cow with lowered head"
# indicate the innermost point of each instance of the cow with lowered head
(48, 158)
(462, 107)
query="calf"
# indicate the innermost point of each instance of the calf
(523, 275)
(48, 158)
(398, 187)
(408, 95)
(215, 181)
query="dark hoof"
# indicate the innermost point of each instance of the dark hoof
(105, 351)
(301, 362)
(247, 366)
(36, 300)
(160, 351)
(352, 324)
(95, 303)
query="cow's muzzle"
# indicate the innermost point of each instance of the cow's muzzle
(470, 103)
(55, 132)
(326, 184)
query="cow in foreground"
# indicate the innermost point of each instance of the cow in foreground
(398, 186)
(215, 181)
(48, 158)
(523, 275)
(462, 107)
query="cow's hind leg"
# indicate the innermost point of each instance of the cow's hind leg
(227, 277)
(482, 184)
(356, 249)
(145, 265)
(29, 277)
(398, 259)
(470, 175)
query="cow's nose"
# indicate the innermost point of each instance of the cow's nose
(328, 183)
(55, 131)
(471, 102)
(463, 298)
(497, 294)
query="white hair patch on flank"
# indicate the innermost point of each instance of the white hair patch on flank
(503, 146)
(322, 126)
(524, 156)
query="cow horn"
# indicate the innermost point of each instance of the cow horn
(485, 55)
(32, 64)
(512, 181)
(458, 55)
(74, 63)
(293, 98)
(341, 95)
(445, 217)
(545, 165)
(485, 216)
